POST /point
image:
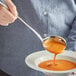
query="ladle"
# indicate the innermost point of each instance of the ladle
(54, 38)
(47, 41)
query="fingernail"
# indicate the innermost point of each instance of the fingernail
(6, 25)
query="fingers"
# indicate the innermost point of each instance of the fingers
(9, 15)
(5, 16)
(12, 8)
(1, 6)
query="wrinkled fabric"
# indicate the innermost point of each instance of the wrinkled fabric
(59, 19)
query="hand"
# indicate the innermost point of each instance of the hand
(9, 15)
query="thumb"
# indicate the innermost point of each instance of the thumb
(8, 3)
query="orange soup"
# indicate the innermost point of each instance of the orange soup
(61, 65)
(56, 46)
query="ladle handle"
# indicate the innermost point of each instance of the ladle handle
(37, 34)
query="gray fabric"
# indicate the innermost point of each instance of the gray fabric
(17, 41)
(59, 19)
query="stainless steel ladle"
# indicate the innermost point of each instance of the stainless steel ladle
(56, 38)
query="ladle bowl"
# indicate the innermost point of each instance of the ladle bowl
(54, 44)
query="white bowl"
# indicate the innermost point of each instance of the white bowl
(35, 58)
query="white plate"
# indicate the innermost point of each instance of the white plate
(35, 58)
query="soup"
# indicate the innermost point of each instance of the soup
(61, 65)
(56, 45)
